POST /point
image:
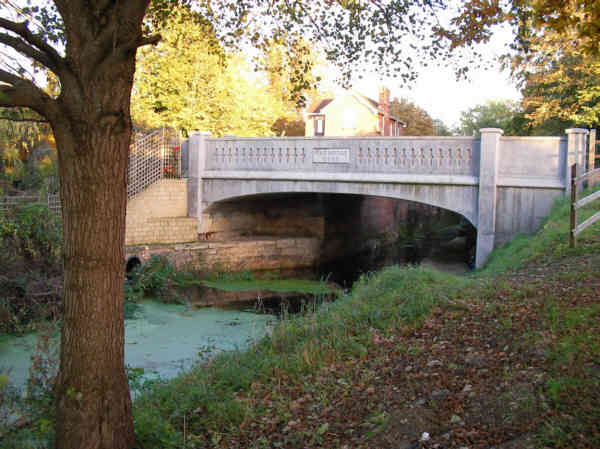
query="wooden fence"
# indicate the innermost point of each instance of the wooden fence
(576, 203)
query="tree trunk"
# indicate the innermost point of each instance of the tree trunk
(93, 401)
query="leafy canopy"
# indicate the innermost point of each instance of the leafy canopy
(560, 78)
(418, 122)
(189, 82)
(504, 114)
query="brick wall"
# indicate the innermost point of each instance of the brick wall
(159, 215)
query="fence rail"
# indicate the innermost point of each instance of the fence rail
(576, 204)
(9, 204)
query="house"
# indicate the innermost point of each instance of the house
(352, 114)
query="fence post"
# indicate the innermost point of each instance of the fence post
(196, 165)
(576, 140)
(573, 215)
(591, 159)
(488, 174)
(591, 150)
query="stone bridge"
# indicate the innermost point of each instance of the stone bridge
(502, 185)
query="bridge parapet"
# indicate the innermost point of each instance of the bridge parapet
(410, 155)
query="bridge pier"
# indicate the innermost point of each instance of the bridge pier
(197, 165)
(488, 180)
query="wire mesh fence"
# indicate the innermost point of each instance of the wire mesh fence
(12, 207)
(54, 203)
(152, 157)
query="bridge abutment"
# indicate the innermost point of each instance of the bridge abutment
(487, 197)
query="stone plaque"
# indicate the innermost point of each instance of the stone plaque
(331, 156)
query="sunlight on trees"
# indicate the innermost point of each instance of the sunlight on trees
(418, 121)
(561, 82)
(503, 114)
(190, 83)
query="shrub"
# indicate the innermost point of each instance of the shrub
(31, 273)
(156, 278)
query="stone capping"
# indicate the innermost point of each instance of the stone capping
(533, 138)
(344, 177)
(576, 131)
(327, 138)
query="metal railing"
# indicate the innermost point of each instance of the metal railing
(153, 157)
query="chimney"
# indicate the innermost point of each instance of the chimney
(384, 103)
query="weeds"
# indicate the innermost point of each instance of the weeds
(157, 278)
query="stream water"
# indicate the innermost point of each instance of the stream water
(163, 338)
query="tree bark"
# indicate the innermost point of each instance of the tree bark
(93, 401)
(93, 135)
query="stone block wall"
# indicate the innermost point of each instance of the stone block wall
(254, 255)
(297, 215)
(159, 215)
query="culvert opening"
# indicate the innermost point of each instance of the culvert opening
(132, 264)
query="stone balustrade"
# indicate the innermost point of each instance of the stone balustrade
(414, 155)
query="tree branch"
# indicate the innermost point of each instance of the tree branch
(22, 47)
(21, 30)
(149, 40)
(23, 119)
(22, 92)
(125, 49)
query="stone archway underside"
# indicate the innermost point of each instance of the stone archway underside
(461, 199)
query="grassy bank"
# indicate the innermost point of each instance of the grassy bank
(218, 398)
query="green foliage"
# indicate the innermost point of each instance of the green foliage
(30, 281)
(157, 278)
(36, 405)
(561, 90)
(503, 114)
(303, 344)
(190, 82)
(440, 128)
(419, 123)
(18, 139)
(34, 232)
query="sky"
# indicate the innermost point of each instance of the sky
(441, 95)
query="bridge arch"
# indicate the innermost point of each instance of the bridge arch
(461, 199)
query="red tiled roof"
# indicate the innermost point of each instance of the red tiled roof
(318, 105)
(372, 102)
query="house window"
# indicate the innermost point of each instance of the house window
(319, 126)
